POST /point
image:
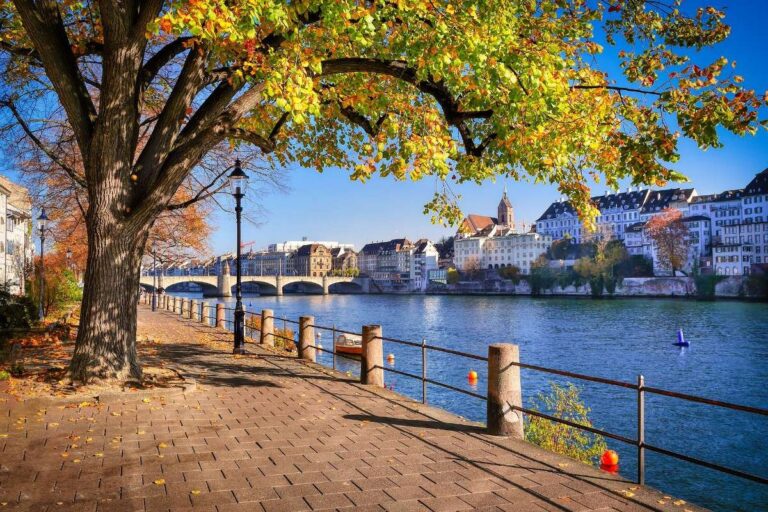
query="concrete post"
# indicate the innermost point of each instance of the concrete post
(504, 390)
(223, 281)
(183, 307)
(220, 318)
(279, 285)
(372, 364)
(205, 313)
(267, 328)
(325, 285)
(193, 310)
(174, 305)
(307, 338)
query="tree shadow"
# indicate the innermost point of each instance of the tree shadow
(421, 423)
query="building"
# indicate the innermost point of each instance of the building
(16, 227)
(424, 259)
(313, 260)
(386, 261)
(291, 246)
(498, 247)
(728, 231)
(474, 223)
(344, 260)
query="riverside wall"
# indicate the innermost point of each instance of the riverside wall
(735, 287)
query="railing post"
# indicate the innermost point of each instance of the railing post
(372, 361)
(193, 310)
(333, 345)
(640, 430)
(220, 318)
(307, 338)
(174, 304)
(267, 328)
(504, 391)
(423, 370)
(205, 313)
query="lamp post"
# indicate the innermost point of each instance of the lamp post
(42, 220)
(154, 275)
(237, 181)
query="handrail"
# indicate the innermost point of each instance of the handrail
(639, 387)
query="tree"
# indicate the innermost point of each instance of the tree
(670, 237)
(145, 90)
(601, 269)
(472, 267)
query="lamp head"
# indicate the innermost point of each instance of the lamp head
(237, 180)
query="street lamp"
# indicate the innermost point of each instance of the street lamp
(154, 275)
(237, 181)
(42, 220)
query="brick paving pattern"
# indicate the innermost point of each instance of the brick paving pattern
(266, 432)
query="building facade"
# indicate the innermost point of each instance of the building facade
(498, 247)
(344, 260)
(16, 226)
(424, 259)
(728, 231)
(313, 260)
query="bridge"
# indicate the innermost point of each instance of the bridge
(223, 285)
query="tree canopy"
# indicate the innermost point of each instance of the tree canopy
(459, 90)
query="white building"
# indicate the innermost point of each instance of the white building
(291, 246)
(498, 247)
(16, 227)
(424, 258)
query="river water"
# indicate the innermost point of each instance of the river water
(617, 339)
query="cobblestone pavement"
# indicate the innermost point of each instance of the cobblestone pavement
(266, 432)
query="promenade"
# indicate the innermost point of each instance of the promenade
(267, 432)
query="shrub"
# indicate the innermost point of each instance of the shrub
(453, 276)
(16, 312)
(4, 375)
(705, 285)
(512, 273)
(564, 402)
(282, 336)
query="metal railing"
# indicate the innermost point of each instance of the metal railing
(639, 387)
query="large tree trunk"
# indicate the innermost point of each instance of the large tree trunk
(106, 339)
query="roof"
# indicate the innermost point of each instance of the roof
(475, 223)
(694, 218)
(637, 227)
(19, 196)
(379, 247)
(728, 195)
(306, 250)
(758, 185)
(421, 245)
(659, 199)
(505, 201)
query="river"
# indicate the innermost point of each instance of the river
(617, 339)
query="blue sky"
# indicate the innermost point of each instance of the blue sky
(329, 206)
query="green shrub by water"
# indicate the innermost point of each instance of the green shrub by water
(564, 402)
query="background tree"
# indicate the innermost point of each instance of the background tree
(145, 90)
(670, 238)
(472, 267)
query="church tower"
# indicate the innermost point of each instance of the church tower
(506, 213)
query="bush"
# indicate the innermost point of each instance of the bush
(16, 312)
(282, 337)
(453, 276)
(705, 285)
(512, 273)
(4, 375)
(564, 402)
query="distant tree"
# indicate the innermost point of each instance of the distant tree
(472, 267)
(512, 272)
(453, 276)
(444, 247)
(600, 269)
(561, 249)
(670, 236)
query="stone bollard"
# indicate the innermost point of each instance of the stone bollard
(372, 360)
(205, 313)
(307, 338)
(173, 309)
(267, 328)
(221, 321)
(193, 310)
(184, 306)
(504, 390)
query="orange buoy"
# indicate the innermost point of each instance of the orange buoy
(609, 458)
(391, 357)
(472, 375)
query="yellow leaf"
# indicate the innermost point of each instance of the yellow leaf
(76, 461)
(3, 436)
(160, 481)
(65, 455)
(115, 414)
(162, 445)
(679, 502)
(195, 491)
(98, 454)
(147, 400)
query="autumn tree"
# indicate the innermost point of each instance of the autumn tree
(458, 91)
(670, 238)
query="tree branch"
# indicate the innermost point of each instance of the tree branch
(202, 194)
(39, 143)
(44, 26)
(160, 59)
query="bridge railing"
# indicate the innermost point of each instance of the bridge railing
(503, 399)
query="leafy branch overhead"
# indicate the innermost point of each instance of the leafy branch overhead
(457, 90)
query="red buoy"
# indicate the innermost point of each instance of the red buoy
(609, 458)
